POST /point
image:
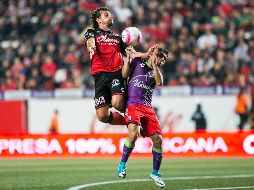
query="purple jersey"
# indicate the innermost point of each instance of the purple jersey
(141, 83)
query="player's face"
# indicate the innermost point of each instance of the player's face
(160, 60)
(106, 18)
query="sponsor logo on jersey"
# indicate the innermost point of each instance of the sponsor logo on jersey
(99, 101)
(140, 84)
(103, 40)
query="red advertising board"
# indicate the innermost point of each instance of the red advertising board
(13, 117)
(110, 145)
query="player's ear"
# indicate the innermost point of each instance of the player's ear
(98, 20)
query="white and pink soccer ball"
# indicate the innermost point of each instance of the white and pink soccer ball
(131, 36)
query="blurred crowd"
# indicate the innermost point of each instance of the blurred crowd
(210, 42)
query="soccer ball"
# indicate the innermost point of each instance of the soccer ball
(131, 36)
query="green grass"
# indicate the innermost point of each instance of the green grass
(65, 173)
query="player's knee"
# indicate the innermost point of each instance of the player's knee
(104, 118)
(133, 135)
(157, 141)
(118, 105)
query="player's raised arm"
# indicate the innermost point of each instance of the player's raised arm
(144, 55)
(90, 42)
(157, 74)
(126, 67)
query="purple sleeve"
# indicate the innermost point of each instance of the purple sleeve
(133, 64)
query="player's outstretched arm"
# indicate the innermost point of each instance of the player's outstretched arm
(126, 67)
(91, 47)
(144, 55)
(90, 42)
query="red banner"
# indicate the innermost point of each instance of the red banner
(12, 117)
(110, 145)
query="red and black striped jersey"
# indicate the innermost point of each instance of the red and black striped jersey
(109, 49)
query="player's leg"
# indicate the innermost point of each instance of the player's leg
(157, 152)
(102, 105)
(103, 100)
(157, 158)
(112, 117)
(153, 130)
(129, 144)
(103, 114)
(118, 103)
(118, 92)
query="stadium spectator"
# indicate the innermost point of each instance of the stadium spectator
(241, 108)
(199, 118)
(207, 40)
(54, 123)
(33, 30)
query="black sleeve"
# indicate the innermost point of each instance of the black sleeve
(123, 47)
(89, 33)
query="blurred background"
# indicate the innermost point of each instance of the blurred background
(210, 42)
(45, 81)
(205, 106)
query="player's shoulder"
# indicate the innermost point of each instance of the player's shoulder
(116, 34)
(139, 60)
(90, 32)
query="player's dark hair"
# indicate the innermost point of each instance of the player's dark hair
(163, 52)
(97, 14)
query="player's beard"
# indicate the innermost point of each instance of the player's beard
(110, 23)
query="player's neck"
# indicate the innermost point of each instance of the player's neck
(104, 27)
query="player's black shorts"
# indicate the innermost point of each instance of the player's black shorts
(106, 85)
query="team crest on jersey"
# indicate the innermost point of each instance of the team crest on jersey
(115, 82)
(142, 64)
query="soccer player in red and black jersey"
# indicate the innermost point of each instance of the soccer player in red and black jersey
(106, 49)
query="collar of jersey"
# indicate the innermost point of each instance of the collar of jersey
(100, 30)
(148, 65)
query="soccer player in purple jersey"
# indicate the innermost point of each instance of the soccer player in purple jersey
(143, 75)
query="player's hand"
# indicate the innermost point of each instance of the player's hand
(153, 58)
(91, 51)
(152, 49)
(129, 50)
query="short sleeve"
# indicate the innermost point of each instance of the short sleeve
(89, 33)
(134, 62)
(123, 47)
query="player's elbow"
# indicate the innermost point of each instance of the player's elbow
(125, 74)
(159, 83)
